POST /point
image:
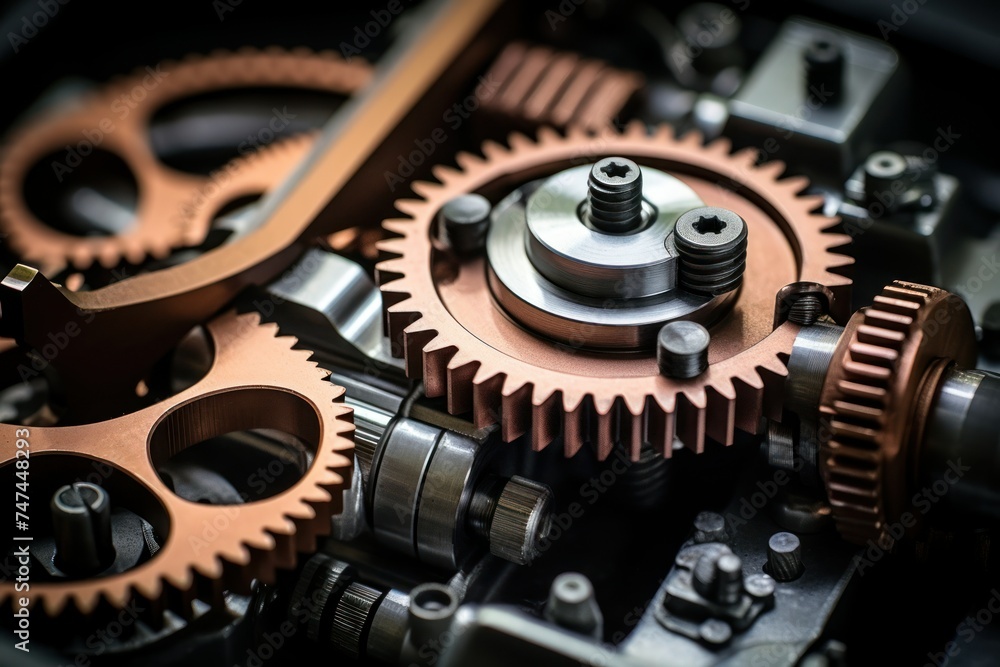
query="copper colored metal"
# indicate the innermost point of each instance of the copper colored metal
(253, 175)
(874, 403)
(124, 131)
(466, 348)
(539, 86)
(259, 173)
(142, 318)
(256, 381)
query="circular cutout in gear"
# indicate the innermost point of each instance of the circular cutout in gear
(257, 380)
(442, 315)
(102, 120)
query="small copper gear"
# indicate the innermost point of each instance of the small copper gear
(445, 322)
(105, 122)
(890, 355)
(256, 381)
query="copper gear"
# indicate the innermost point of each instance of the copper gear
(256, 381)
(440, 317)
(157, 228)
(257, 174)
(890, 355)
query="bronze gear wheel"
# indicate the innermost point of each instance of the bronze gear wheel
(442, 317)
(871, 407)
(248, 176)
(256, 381)
(157, 228)
(257, 174)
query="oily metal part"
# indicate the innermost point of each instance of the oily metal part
(876, 399)
(142, 318)
(539, 86)
(157, 228)
(256, 381)
(465, 348)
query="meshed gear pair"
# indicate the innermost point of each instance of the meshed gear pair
(442, 317)
(100, 121)
(256, 381)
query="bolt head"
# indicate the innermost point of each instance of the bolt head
(464, 221)
(885, 165)
(710, 229)
(759, 586)
(615, 172)
(682, 349)
(714, 631)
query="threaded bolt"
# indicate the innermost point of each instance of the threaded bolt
(712, 243)
(615, 195)
(805, 310)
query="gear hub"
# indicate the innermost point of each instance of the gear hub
(552, 330)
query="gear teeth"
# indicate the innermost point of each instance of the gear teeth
(797, 185)
(423, 188)
(444, 173)
(486, 399)
(877, 360)
(157, 229)
(467, 161)
(437, 354)
(516, 416)
(545, 420)
(493, 150)
(773, 168)
(636, 129)
(722, 406)
(510, 394)
(409, 206)
(747, 157)
(547, 134)
(460, 374)
(690, 420)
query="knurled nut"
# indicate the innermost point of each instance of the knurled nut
(352, 616)
(321, 578)
(516, 527)
(364, 451)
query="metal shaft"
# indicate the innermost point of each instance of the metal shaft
(81, 523)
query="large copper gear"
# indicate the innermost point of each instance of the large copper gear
(257, 380)
(158, 227)
(443, 319)
(874, 402)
